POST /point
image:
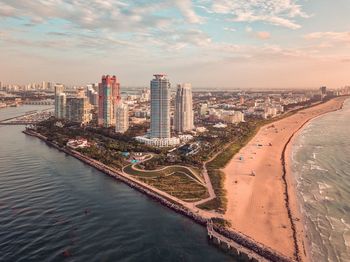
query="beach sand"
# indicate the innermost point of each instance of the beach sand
(256, 203)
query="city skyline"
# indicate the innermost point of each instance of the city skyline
(250, 44)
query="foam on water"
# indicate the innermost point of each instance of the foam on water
(321, 157)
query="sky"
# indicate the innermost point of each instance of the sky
(221, 43)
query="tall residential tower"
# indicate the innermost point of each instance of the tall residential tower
(60, 101)
(78, 109)
(108, 97)
(160, 107)
(60, 105)
(183, 120)
(122, 118)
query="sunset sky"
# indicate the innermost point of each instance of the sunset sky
(221, 43)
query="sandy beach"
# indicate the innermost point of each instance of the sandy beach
(256, 188)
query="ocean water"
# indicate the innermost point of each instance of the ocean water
(321, 163)
(9, 112)
(55, 208)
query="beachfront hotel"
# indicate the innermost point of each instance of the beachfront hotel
(108, 97)
(183, 119)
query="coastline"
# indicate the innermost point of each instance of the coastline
(303, 239)
(265, 206)
(235, 242)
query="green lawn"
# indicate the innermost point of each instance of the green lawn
(178, 185)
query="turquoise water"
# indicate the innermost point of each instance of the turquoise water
(321, 162)
(55, 208)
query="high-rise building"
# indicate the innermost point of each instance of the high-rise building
(183, 120)
(160, 107)
(108, 97)
(122, 117)
(60, 105)
(60, 101)
(92, 95)
(59, 88)
(78, 110)
(44, 85)
(80, 92)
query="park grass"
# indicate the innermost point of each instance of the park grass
(164, 172)
(178, 185)
(177, 181)
(217, 178)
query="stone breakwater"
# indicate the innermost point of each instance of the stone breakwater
(254, 251)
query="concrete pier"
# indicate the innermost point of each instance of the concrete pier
(232, 247)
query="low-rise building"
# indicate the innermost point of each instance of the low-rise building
(78, 143)
(158, 142)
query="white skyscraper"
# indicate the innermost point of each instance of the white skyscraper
(122, 117)
(160, 107)
(60, 101)
(183, 108)
(60, 105)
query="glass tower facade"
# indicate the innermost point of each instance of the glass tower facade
(183, 108)
(160, 107)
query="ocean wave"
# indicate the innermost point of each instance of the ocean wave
(323, 185)
(347, 226)
(316, 167)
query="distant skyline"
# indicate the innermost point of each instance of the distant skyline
(224, 43)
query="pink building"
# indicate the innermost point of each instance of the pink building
(108, 97)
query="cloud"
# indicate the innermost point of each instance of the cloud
(186, 8)
(276, 12)
(248, 29)
(230, 29)
(89, 14)
(121, 21)
(263, 35)
(6, 10)
(343, 37)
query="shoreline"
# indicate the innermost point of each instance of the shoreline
(293, 190)
(276, 222)
(245, 247)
